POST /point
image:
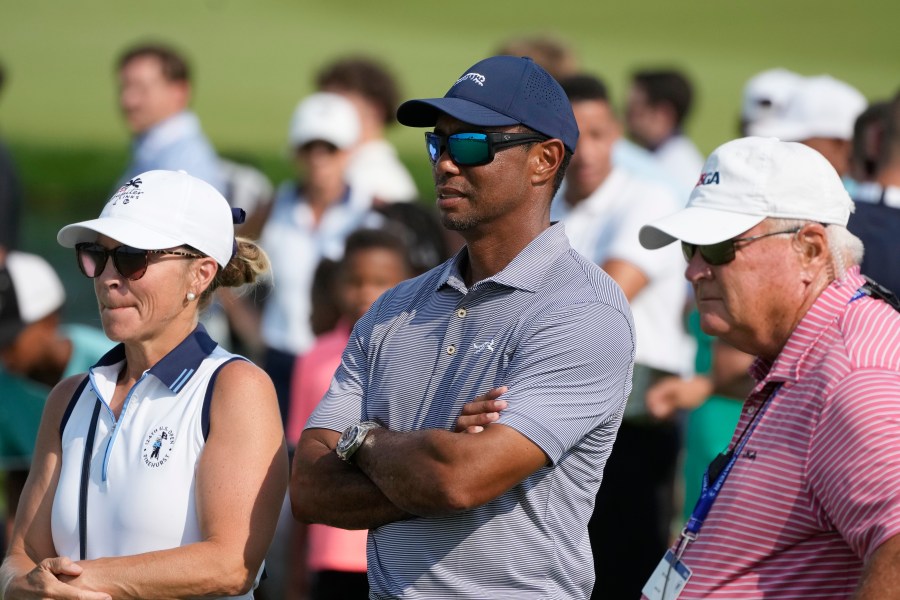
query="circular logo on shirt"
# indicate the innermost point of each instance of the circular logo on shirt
(158, 445)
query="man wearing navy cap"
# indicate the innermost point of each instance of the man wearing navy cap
(491, 498)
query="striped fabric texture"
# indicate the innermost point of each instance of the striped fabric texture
(817, 488)
(554, 328)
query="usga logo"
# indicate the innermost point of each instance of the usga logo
(708, 178)
(158, 446)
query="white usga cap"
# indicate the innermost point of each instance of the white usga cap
(748, 180)
(162, 209)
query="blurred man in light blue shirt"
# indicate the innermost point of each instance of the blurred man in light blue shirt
(154, 95)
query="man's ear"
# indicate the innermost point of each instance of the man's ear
(546, 157)
(812, 243)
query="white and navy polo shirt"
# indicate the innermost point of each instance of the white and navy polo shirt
(140, 487)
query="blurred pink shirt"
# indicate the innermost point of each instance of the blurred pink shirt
(329, 548)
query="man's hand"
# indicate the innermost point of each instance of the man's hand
(483, 410)
(673, 393)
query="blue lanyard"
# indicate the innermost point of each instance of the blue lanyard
(709, 492)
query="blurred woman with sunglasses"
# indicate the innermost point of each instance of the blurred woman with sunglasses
(161, 472)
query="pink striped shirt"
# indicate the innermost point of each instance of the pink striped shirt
(817, 488)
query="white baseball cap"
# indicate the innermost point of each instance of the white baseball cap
(821, 107)
(743, 182)
(30, 290)
(326, 117)
(162, 209)
(766, 94)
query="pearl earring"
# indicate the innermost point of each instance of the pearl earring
(191, 296)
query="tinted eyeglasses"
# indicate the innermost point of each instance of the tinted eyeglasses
(473, 149)
(130, 262)
(723, 252)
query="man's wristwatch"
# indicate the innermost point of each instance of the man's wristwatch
(352, 438)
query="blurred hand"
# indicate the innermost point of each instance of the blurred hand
(673, 393)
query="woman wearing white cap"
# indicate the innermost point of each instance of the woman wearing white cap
(185, 471)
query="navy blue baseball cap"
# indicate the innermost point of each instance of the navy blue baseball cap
(501, 91)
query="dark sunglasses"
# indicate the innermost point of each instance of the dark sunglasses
(723, 252)
(473, 149)
(130, 262)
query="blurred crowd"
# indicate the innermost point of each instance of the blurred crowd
(350, 224)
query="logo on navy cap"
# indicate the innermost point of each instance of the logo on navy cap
(476, 77)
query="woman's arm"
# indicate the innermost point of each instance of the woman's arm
(31, 568)
(241, 481)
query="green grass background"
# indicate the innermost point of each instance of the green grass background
(253, 60)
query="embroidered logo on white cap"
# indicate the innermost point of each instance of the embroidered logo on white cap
(162, 209)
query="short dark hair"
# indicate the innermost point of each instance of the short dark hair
(365, 76)
(380, 239)
(584, 87)
(890, 144)
(174, 65)
(666, 86)
(875, 116)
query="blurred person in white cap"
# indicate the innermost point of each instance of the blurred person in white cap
(160, 472)
(803, 503)
(36, 351)
(309, 220)
(820, 113)
(765, 96)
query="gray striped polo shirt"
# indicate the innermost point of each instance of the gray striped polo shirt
(554, 328)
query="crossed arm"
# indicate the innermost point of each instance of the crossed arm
(241, 480)
(400, 475)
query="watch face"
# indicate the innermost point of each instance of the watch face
(347, 437)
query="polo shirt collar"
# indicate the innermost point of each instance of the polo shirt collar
(525, 272)
(831, 303)
(178, 366)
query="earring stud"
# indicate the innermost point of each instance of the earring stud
(191, 296)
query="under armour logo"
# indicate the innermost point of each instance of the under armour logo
(479, 348)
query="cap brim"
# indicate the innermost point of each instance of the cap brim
(125, 231)
(426, 112)
(696, 225)
(786, 132)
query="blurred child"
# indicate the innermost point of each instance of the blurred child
(332, 562)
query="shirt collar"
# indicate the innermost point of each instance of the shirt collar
(178, 366)
(788, 365)
(525, 272)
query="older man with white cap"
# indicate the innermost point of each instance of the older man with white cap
(804, 501)
(820, 113)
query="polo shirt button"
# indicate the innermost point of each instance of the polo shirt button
(460, 312)
(451, 350)
(751, 410)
